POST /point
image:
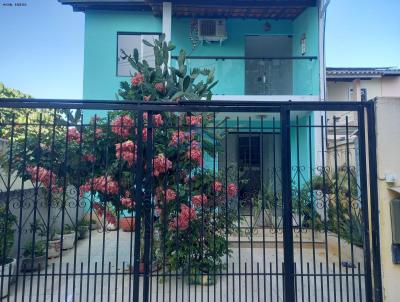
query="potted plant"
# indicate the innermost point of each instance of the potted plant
(83, 229)
(53, 243)
(7, 263)
(34, 256)
(110, 218)
(67, 238)
(127, 224)
(53, 246)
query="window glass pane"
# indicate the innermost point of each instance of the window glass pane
(128, 42)
(364, 96)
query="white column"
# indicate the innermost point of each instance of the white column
(167, 20)
(166, 24)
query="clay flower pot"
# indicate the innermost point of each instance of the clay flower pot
(68, 240)
(54, 248)
(154, 267)
(127, 224)
(33, 264)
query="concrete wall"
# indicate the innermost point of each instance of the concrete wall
(391, 87)
(388, 144)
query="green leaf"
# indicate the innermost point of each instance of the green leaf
(162, 38)
(177, 95)
(186, 83)
(212, 85)
(181, 58)
(152, 76)
(171, 46)
(136, 55)
(147, 43)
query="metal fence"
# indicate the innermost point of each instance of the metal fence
(189, 201)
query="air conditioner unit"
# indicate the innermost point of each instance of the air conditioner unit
(212, 30)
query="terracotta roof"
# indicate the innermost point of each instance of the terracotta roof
(360, 72)
(260, 9)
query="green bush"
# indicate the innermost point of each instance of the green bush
(37, 249)
(7, 221)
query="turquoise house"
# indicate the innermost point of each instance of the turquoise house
(269, 50)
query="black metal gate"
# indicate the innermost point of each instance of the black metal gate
(190, 201)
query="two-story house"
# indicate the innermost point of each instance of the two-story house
(270, 50)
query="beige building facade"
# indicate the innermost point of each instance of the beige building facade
(388, 145)
(359, 84)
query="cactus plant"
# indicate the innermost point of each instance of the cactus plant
(162, 82)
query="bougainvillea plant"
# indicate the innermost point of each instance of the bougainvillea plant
(191, 202)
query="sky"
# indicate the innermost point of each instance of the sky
(41, 44)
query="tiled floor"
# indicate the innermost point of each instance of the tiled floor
(108, 281)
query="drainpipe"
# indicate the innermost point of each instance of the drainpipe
(167, 23)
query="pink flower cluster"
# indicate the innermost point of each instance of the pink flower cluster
(73, 135)
(169, 194)
(161, 164)
(137, 79)
(177, 137)
(101, 184)
(159, 87)
(194, 153)
(46, 177)
(157, 119)
(99, 132)
(89, 157)
(199, 200)
(122, 125)
(99, 209)
(217, 186)
(231, 190)
(184, 217)
(194, 120)
(126, 150)
(127, 201)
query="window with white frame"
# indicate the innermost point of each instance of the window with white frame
(128, 42)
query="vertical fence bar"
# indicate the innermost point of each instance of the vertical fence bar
(147, 206)
(373, 179)
(138, 198)
(289, 287)
(364, 204)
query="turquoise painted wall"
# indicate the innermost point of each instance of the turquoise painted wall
(301, 149)
(230, 73)
(306, 72)
(101, 27)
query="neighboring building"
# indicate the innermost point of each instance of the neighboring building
(361, 84)
(354, 84)
(261, 51)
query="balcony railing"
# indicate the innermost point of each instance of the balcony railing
(260, 75)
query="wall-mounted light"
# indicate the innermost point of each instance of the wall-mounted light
(303, 44)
